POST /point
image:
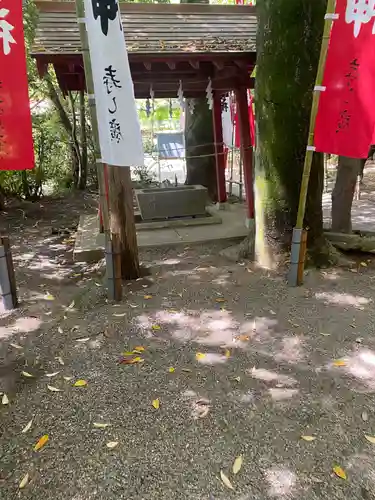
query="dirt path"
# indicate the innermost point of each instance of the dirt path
(239, 363)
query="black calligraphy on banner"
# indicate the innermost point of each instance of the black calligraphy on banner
(351, 78)
(112, 85)
(107, 11)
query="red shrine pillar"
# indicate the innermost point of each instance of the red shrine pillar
(246, 149)
(219, 149)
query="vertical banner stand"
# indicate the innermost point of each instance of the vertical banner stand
(299, 239)
(8, 290)
(112, 274)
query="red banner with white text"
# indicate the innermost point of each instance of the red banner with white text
(346, 114)
(16, 142)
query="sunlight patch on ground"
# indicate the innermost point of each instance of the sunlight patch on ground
(331, 275)
(282, 394)
(343, 299)
(290, 350)
(281, 481)
(270, 376)
(361, 365)
(26, 324)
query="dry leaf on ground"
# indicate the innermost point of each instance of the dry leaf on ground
(237, 465)
(60, 330)
(27, 375)
(53, 389)
(308, 438)
(370, 439)
(71, 305)
(364, 416)
(156, 404)
(50, 375)
(24, 481)
(80, 383)
(156, 327)
(112, 444)
(27, 426)
(242, 338)
(171, 369)
(339, 362)
(119, 315)
(99, 425)
(225, 480)
(60, 360)
(339, 472)
(227, 353)
(131, 361)
(82, 341)
(147, 297)
(16, 346)
(5, 400)
(42, 442)
(49, 296)
(200, 355)
(139, 348)
(68, 378)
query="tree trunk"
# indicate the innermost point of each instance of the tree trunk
(84, 166)
(342, 195)
(2, 199)
(122, 219)
(288, 47)
(76, 154)
(199, 143)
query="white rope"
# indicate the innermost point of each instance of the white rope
(332, 16)
(311, 148)
(320, 88)
(81, 20)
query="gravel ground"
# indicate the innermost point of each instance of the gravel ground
(239, 363)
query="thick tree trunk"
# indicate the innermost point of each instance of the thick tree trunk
(342, 195)
(84, 166)
(288, 46)
(200, 150)
(2, 200)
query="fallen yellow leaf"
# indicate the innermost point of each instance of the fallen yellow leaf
(24, 481)
(99, 425)
(147, 297)
(363, 264)
(42, 442)
(156, 404)
(220, 299)
(112, 444)
(50, 375)
(156, 327)
(339, 362)
(237, 465)
(139, 348)
(200, 355)
(16, 346)
(4, 400)
(226, 481)
(370, 439)
(171, 369)
(27, 374)
(308, 438)
(243, 338)
(80, 383)
(27, 426)
(49, 296)
(128, 353)
(339, 472)
(227, 353)
(53, 389)
(68, 378)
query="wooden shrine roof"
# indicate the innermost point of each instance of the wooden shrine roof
(155, 28)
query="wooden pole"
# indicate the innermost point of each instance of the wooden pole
(297, 259)
(219, 149)
(114, 291)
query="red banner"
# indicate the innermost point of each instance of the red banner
(16, 142)
(346, 115)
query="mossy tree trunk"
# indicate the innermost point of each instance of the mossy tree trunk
(288, 47)
(199, 141)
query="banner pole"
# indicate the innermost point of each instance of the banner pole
(114, 292)
(299, 238)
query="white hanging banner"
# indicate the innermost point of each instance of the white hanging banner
(119, 131)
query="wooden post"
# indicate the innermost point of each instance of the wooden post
(113, 292)
(122, 221)
(297, 259)
(8, 288)
(219, 149)
(246, 150)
